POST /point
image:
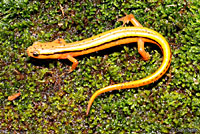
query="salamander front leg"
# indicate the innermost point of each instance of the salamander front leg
(75, 63)
(72, 59)
(145, 55)
(60, 41)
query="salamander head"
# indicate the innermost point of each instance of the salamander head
(33, 51)
(44, 50)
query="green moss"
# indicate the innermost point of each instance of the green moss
(53, 101)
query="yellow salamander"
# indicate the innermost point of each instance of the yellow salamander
(59, 49)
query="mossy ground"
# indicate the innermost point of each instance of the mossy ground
(54, 101)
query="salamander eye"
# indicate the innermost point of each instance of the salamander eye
(35, 53)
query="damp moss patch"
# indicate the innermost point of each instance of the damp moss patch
(54, 101)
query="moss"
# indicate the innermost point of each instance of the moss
(54, 101)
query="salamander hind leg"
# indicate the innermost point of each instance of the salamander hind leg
(130, 18)
(145, 55)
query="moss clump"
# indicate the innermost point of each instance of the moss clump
(54, 101)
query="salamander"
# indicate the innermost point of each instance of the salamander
(59, 49)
